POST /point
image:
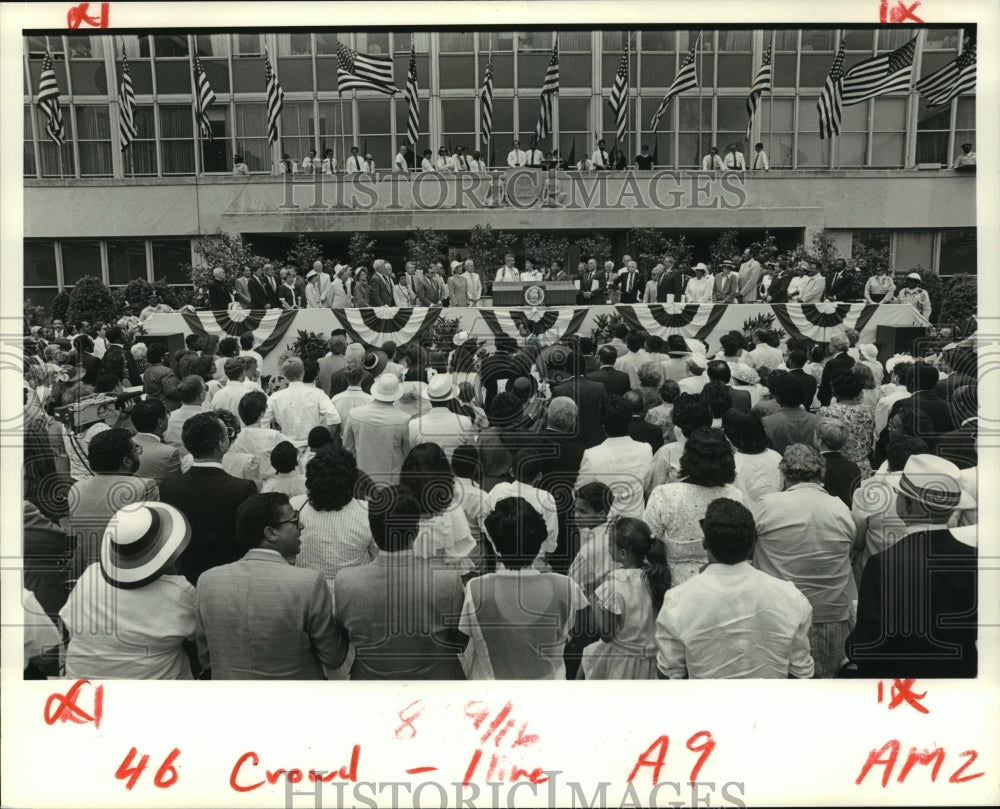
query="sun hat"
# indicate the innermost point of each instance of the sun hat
(460, 338)
(744, 373)
(700, 266)
(699, 361)
(311, 273)
(386, 388)
(915, 276)
(141, 541)
(869, 351)
(440, 388)
(727, 263)
(895, 359)
(934, 483)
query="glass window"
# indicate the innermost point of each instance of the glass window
(453, 42)
(326, 43)
(662, 41)
(251, 136)
(174, 76)
(170, 46)
(336, 129)
(126, 260)
(811, 152)
(853, 140)
(692, 147)
(941, 39)
(30, 169)
(610, 60)
(860, 41)
(912, 249)
(891, 37)
(933, 125)
(298, 128)
(245, 45)
(574, 42)
(40, 264)
(140, 158)
(403, 111)
(38, 45)
(294, 44)
(871, 239)
(87, 65)
(497, 41)
(503, 131)
(421, 41)
(455, 72)
(574, 127)
(212, 45)
(776, 132)
(375, 131)
(57, 161)
(457, 121)
(169, 255)
(177, 139)
(217, 154)
(376, 44)
(80, 258)
(94, 137)
(248, 75)
(958, 251)
(735, 68)
(295, 74)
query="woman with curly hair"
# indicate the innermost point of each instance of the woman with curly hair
(626, 604)
(444, 529)
(850, 408)
(335, 529)
(756, 464)
(674, 510)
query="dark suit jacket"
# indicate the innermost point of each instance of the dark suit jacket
(259, 294)
(943, 571)
(642, 430)
(590, 396)
(218, 296)
(935, 407)
(779, 290)
(809, 381)
(615, 382)
(91, 368)
(599, 295)
(380, 293)
(117, 360)
(959, 446)
(497, 366)
(741, 399)
(630, 295)
(670, 283)
(273, 301)
(338, 382)
(835, 365)
(842, 476)
(559, 458)
(208, 497)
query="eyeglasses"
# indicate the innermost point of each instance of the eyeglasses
(294, 519)
(231, 433)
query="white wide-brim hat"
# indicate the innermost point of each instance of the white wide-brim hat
(935, 483)
(440, 389)
(141, 541)
(386, 388)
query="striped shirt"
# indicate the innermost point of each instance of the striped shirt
(333, 540)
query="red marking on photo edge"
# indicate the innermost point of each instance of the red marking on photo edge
(78, 14)
(417, 770)
(898, 13)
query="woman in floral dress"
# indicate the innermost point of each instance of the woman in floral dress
(848, 389)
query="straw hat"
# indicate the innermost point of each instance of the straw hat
(386, 388)
(934, 483)
(440, 389)
(141, 542)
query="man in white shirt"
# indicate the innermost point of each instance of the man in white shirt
(585, 164)
(191, 390)
(329, 165)
(354, 396)
(600, 158)
(516, 157)
(444, 163)
(712, 161)
(355, 163)
(813, 286)
(440, 425)
(534, 157)
(474, 283)
(461, 159)
(310, 165)
(508, 272)
(701, 288)
(735, 161)
(403, 158)
(477, 163)
(749, 278)
(706, 617)
(247, 350)
(154, 308)
(634, 359)
(760, 161)
(228, 397)
(299, 407)
(427, 162)
(619, 462)
(527, 474)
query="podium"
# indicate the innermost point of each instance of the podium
(898, 340)
(534, 293)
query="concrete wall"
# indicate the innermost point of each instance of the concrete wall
(191, 206)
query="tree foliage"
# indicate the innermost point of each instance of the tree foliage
(60, 305)
(725, 246)
(596, 246)
(138, 291)
(487, 248)
(222, 250)
(679, 249)
(961, 301)
(361, 250)
(90, 301)
(425, 246)
(545, 249)
(303, 253)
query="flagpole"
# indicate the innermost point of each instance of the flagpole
(343, 131)
(770, 97)
(701, 78)
(628, 91)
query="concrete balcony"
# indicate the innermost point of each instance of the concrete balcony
(510, 200)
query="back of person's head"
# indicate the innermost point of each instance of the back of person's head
(252, 406)
(745, 431)
(229, 347)
(525, 466)
(718, 396)
(965, 402)
(190, 389)
(620, 331)
(801, 464)
(154, 354)
(911, 420)
(393, 517)
(795, 359)
(465, 462)
(505, 344)
(585, 346)
(427, 474)
(292, 369)
(353, 375)
(788, 391)
(523, 387)
(677, 343)
(852, 336)
(707, 459)
(924, 376)
(839, 342)
(635, 538)
(730, 345)
(562, 414)
(284, 457)
(106, 383)
(864, 375)
(616, 416)
(246, 340)
(504, 409)
(846, 385)
(331, 476)
(310, 370)
(202, 434)
(832, 433)
(649, 375)
(654, 344)
(256, 514)
(770, 376)
(194, 342)
(234, 369)
(319, 436)
(517, 531)
(355, 354)
(84, 344)
(635, 340)
(771, 338)
(669, 391)
(729, 531)
(636, 402)
(598, 496)
(607, 355)
(818, 352)
(899, 449)
(690, 412)
(231, 422)
(338, 345)
(115, 334)
(108, 450)
(210, 346)
(146, 414)
(720, 370)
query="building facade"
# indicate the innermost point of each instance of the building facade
(137, 213)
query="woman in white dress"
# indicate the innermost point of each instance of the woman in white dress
(756, 465)
(340, 298)
(402, 295)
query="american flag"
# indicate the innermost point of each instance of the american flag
(686, 79)
(880, 75)
(761, 84)
(48, 100)
(126, 106)
(359, 71)
(486, 99)
(275, 100)
(830, 104)
(619, 96)
(204, 99)
(550, 89)
(412, 101)
(958, 76)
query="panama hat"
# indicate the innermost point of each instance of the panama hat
(700, 266)
(440, 388)
(141, 542)
(935, 483)
(311, 273)
(386, 388)
(698, 360)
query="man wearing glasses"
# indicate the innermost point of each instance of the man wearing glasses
(291, 633)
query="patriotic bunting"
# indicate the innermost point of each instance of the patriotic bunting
(820, 321)
(268, 325)
(690, 320)
(552, 324)
(399, 325)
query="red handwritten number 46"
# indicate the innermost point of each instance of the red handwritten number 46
(166, 775)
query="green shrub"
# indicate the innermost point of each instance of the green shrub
(90, 301)
(361, 250)
(487, 247)
(60, 306)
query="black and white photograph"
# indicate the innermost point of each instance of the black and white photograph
(403, 352)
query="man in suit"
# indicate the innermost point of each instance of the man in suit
(261, 618)
(91, 365)
(814, 286)
(640, 429)
(842, 476)
(208, 496)
(630, 284)
(589, 396)
(259, 298)
(792, 424)
(749, 278)
(219, 296)
(333, 362)
(720, 370)
(959, 445)
(839, 362)
(269, 277)
(156, 459)
(381, 283)
(671, 285)
(922, 381)
(795, 362)
(241, 287)
(593, 286)
(616, 383)
(931, 563)
(117, 360)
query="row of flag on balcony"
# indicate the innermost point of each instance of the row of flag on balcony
(356, 71)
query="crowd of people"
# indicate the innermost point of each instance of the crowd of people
(753, 276)
(633, 510)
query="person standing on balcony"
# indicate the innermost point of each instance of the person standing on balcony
(516, 157)
(329, 164)
(814, 286)
(444, 163)
(534, 157)
(240, 169)
(735, 161)
(880, 288)
(760, 161)
(700, 288)
(473, 282)
(477, 163)
(310, 165)
(404, 159)
(725, 283)
(427, 163)
(712, 161)
(644, 161)
(356, 164)
(600, 158)
(967, 160)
